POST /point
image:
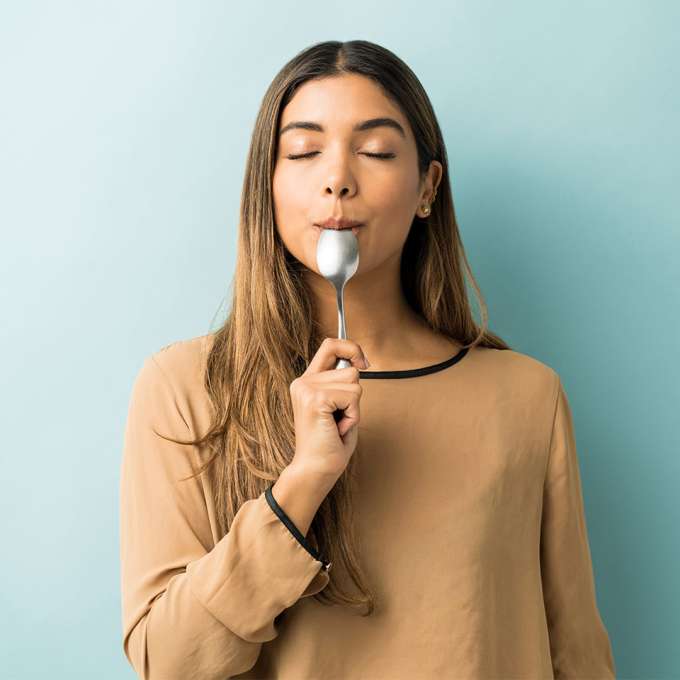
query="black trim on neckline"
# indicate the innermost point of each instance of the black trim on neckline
(413, 372)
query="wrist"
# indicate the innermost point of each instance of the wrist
(311, 479)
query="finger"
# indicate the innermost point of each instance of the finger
(344, 376)
(342, 400)
(330, 350)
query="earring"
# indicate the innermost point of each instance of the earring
(426, 207)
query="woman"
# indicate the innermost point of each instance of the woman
(436, 530)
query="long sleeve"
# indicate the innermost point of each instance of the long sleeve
(579, 643)
(193, 609)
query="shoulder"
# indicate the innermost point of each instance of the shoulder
(518, 392)
(515, 373)
(173, 377)
(183, 361)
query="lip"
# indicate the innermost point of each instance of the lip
(355, 230)
(338, 223)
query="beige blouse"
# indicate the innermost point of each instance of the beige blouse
(470, 522)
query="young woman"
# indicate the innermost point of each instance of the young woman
(437, 530)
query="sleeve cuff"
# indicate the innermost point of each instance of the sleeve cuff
(254, 572)
(290, 525)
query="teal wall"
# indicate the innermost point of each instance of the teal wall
(123, 133)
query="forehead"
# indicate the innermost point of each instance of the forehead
(340, 102)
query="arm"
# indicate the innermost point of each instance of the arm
(193, 609)
(579, 643)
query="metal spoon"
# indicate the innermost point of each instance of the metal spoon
(337, 257)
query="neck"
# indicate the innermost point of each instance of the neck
(377, 317)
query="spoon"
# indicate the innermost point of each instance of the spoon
(337, 257)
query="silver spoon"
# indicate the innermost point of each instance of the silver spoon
(337, 257)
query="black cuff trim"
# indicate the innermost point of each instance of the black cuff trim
(278, 510)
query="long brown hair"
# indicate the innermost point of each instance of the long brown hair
(270, 334)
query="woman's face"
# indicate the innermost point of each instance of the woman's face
(339, 178)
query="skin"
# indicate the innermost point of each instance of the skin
(341, 180)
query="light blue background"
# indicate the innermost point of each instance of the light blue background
(124, 130)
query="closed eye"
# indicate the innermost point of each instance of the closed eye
(383, 156)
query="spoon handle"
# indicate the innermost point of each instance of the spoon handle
(342, 334)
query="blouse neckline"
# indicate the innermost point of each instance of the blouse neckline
(413, 372)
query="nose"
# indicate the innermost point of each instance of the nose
(339, 178)
(343, 191)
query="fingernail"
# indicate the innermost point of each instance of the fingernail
(366, 362)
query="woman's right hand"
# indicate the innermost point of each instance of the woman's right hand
(323, 446)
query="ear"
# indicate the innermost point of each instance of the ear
(428, 192)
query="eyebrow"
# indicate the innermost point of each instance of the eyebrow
(369, 124)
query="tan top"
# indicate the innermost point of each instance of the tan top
(469, 515)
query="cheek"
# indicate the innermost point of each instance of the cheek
(393, 201)
(289, 207)
(280, 192)
(394, 194)
(279, 180)
(287, 187)
(290, 182)
(289, 203)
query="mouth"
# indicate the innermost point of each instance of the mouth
(354, 229)
(331, 224)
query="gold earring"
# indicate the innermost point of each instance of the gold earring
(426, 207)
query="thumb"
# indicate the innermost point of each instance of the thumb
(350, 435)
